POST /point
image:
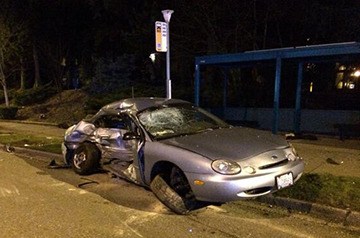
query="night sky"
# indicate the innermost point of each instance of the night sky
(102, 39)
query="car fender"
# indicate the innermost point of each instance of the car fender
(187, 161)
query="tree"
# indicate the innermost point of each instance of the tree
(10, 39)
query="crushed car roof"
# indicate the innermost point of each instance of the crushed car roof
(139, 104)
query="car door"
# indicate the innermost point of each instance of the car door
(121, 145)
(109, 133)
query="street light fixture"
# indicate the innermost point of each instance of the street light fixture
(167, 16)
(152, 56)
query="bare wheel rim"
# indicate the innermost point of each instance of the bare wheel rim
(79, 159)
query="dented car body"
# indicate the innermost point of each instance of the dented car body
(187, 156)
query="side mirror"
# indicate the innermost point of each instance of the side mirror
(131, 136)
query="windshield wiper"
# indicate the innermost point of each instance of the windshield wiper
(175, 135)
(187, 133)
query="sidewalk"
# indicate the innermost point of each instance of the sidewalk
(330, 155)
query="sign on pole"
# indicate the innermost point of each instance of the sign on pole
(160, 36)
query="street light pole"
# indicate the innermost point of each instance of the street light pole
(167, 16)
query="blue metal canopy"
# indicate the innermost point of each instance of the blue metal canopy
(298, 54)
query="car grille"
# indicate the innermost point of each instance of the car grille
(258, 190)
(273, 165)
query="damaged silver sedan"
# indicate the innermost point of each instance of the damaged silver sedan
(187, 156)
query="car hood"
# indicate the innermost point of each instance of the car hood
(236, 143)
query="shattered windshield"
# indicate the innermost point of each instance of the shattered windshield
(178, 120)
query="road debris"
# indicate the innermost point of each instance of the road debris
(9, 148)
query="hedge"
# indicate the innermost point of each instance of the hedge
(8, 112)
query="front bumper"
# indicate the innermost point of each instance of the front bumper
(226, 188)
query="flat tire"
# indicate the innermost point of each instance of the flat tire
(168, 196)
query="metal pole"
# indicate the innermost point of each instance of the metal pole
(167, 17)
(168, 80)
(197, 84)
(297, 115)
(275, 126)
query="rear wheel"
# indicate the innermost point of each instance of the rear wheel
(174, 191)
(86, 159)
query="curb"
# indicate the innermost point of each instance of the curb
(31, 122)
(31, 152)
(21, 150)
(345, 217)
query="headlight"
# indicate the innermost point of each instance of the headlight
(74, 136)
(226, 167)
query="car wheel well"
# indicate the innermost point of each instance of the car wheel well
(162, 167)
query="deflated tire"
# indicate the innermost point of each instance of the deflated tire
(168, 196)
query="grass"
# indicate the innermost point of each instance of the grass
(327, 189)
(43, 143)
